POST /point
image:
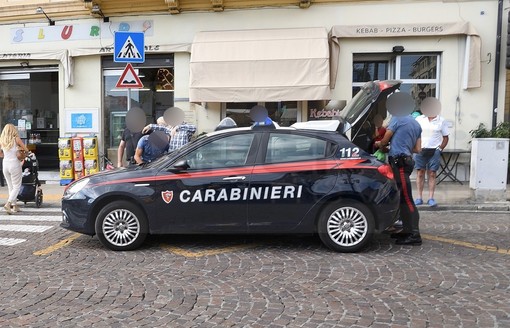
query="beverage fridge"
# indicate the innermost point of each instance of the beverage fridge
(117, 125)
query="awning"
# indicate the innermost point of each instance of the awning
(60, 55)
(260, 65)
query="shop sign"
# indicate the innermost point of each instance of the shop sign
(323, 110)
(82, 31)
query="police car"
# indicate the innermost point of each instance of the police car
(308, 178)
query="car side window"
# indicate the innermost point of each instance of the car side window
(225, 152)
(290, 147)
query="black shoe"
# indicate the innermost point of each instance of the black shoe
(399, 235)
(412, 239)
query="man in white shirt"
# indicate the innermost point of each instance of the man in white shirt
(434, 138)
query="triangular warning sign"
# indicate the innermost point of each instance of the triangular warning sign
(129, 50)
(129, 78)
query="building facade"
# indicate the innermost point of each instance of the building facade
(302, 60)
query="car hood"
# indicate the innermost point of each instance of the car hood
(370, 93)
(119, 174)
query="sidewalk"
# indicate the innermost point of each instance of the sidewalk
(454, 196)
(448, 195)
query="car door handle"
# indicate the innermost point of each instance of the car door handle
(234, 178)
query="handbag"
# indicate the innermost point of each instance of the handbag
(21, 154)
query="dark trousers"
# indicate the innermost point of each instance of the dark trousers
(402, 168)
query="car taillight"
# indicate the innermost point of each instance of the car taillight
(386, 170)
(384, 85)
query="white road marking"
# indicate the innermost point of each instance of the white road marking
(10, 241)
(40, 209)
(17, 217)
(30, 214)
(24, 228)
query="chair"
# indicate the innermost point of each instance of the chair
(465, 169)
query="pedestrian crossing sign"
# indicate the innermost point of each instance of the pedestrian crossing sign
(129, 47)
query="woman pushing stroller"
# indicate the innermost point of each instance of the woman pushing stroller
(9, 143)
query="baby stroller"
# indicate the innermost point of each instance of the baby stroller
(30, 186)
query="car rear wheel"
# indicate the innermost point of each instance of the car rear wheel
(346, 226)
(121, 226)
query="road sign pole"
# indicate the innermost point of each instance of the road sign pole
(128, 99)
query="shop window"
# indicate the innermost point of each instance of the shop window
(30, 96)
(285, 113)
(364, 71)
(29, 100)
(419, 73)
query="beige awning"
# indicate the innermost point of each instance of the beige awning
(260, 65)
(60, 55)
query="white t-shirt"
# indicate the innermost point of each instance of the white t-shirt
(433, 131)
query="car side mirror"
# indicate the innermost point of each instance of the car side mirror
(180, 165)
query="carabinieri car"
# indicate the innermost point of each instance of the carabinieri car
(308, 178)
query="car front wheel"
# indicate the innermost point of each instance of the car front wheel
(346, 226)
(121, 226)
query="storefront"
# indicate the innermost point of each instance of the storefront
(216, 65)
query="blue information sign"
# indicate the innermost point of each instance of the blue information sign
(129, 47)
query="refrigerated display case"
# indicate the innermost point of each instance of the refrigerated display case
(117, 125)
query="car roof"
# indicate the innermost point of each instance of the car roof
(319, 126)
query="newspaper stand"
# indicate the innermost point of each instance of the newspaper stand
(78, 159)
(90, 154)
(65, 161)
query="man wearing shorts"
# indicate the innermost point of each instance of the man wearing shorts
(434, 139)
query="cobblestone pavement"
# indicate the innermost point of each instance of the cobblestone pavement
(459, 277)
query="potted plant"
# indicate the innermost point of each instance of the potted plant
(502, 130)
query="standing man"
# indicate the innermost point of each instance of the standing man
(128, 143)
(404, 137)
(434, 138)
(181, 132)
(150, 147)
(181, 135)
(135, 121)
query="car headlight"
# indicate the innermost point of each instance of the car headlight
(76, 187)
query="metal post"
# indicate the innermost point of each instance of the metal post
(128, 99)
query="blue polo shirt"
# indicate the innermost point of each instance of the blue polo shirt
(405, 133)
(149, 152)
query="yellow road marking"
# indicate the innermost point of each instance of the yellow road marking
(467, 244)
(187, 253)
(58, 245)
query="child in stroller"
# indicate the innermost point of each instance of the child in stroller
(30, 186)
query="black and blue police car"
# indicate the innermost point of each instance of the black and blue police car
(307, 178)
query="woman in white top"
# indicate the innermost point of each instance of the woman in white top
(9, 142)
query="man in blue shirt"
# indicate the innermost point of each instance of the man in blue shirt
(150, 147)
(179, 135)
(404, 137)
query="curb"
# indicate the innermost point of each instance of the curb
(467, 207)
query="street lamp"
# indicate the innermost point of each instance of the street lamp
(39, 10)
